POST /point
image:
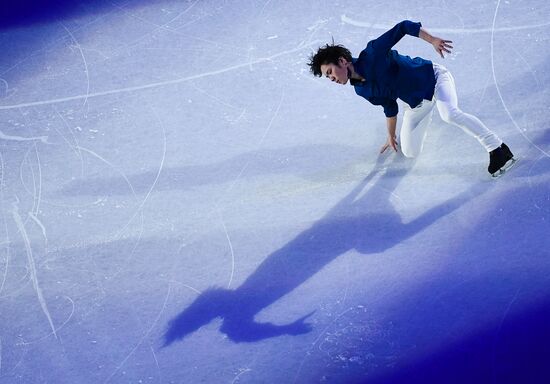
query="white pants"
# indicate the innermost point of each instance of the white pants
(416, 120)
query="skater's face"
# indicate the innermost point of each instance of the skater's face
(337, 73)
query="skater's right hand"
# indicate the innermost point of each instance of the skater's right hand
(391, 143)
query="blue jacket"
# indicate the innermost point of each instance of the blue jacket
(389, 75)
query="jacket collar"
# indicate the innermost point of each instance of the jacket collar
(355, 82)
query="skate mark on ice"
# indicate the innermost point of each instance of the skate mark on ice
(36, 192)
(23, 355)
(220, 214)
(41, 226)
(38, 198)
(6, 268)
(157, 365)
(263, 8)
(242, 372)
(348, 281)
(528, 66)
(498, 88)
(25, 161)
(96, 155)
(321, 334)
(312, 31)
(539, 202)
(192, 21)
(57, 329)
(32, 264)
(182, 13)
(74, 146)
(172, 281)
(43, 139)
(77, 45)
(7, 242)
(145, 335)
(6, 88)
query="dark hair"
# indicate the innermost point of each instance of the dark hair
(329, 54)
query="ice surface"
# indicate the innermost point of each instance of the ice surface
(183, 202)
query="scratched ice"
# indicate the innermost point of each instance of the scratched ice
(183, 202)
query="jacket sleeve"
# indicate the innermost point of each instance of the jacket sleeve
(385, 42)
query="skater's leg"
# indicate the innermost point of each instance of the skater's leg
(447, 104)
(414, 128)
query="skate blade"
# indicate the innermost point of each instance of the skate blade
(504, 169)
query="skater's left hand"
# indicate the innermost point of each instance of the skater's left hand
(441, 46)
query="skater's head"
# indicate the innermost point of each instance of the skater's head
(332, 61)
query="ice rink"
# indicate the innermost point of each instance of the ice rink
(183, 202)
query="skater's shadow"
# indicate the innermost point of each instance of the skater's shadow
(364, 220)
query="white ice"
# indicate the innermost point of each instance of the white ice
(183, 202)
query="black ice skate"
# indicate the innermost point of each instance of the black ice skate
(500, 160)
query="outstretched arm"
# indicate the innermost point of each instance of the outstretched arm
(439, 44)
(385, 42)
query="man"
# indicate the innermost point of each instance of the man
(381, 75)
